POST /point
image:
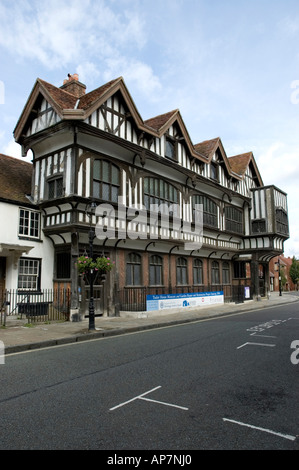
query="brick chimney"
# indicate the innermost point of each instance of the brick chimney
(73, 86)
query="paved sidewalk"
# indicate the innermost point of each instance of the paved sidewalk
(17, 337)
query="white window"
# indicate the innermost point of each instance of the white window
(29, 223)
(29, 274)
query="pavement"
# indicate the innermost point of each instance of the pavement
(17, 337)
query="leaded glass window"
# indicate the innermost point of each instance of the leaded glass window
(106, 180)
(155, 270)
(197, 272)
(181, 271)
(160, 192)
(133, 270)
(209, 208)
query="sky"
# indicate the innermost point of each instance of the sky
(230, 66)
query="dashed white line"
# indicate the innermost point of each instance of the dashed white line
(285, 436)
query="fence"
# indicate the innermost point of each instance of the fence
(45, 305)
(134, 298)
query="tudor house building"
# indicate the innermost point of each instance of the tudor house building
(96, 146)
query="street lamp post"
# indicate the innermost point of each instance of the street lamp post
(90, 210)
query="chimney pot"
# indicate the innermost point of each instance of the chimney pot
(73, 86)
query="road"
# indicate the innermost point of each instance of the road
(225, 383)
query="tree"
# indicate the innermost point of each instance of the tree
(294, 271)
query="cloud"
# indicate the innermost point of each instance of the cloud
(59, 32)
(138, 74)
(279, 163)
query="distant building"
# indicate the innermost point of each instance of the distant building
(97, 146)
(284, 264)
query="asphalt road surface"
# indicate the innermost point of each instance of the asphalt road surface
(227, 383)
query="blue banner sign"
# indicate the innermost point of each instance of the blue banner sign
(195, 299)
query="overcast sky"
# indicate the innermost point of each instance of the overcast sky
(230, 66)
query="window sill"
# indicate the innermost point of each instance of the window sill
(32, 239)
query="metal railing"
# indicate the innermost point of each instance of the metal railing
(44, 305)
(133, 298)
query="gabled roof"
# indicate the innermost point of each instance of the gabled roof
(157, 123)
(160, 124)
(93, 96)
(239, 164)
(61, 98)
(15, 179)
(71, 107)
(68, 106)
(208, 147)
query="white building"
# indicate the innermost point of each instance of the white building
(26, 255)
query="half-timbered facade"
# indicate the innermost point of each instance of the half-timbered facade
(97, 146)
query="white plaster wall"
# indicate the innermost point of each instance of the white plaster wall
(43, 249)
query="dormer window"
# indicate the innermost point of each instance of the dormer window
(170, 149)
(214, 171)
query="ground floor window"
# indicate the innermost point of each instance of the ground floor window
(181, 271)
(215, 273)
(29, 274)
(197, 272)
(225, 273)
(155, 270)
(133, 270)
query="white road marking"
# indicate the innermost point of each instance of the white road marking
(255, 344)
(163, 403)
(262, 336)
(141, 397)
(285, 436)
(135, 398)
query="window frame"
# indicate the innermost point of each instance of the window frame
(169, 141)
(234, 219)
(215, 273)
(24, 280)
(23, 227)
(155, 270)
(281, 219)
(182, 271)
(163, 193)
(210, 218)
(197, 272)
(225, 273)
(105, 184)
(133, 269)
(215, 167)
(58, 192)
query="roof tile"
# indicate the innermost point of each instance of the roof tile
(15, 179)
